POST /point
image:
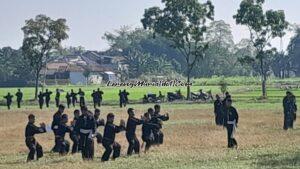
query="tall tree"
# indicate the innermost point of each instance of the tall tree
(42, 35)
(294, 51)
(184, 24)
(263, 27)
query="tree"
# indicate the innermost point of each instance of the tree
(263, 27)
(42, 35)
(294, 51)
(86, 74)
(184, 24)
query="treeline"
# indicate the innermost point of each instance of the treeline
(149, 57)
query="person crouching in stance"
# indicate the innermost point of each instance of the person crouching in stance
(231, 121)
(108, 141)
(33, 146)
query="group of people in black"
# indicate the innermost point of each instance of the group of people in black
(83, 131)
(9, 97)
(226, 115)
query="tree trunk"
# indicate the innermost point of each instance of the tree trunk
(36, 84)
(263, 78)
(188, 95)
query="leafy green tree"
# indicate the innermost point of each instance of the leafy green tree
(42, 35)
(294, 51)
(263, 27)
(184, 24)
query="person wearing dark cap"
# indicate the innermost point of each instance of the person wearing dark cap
(41, 100)
(132, 122)
(34, 147)
(231, 121)
(74, 135)
(63, 145)
(47, 95)
(86, 128)
(289, 109)
(54, 126)
(8, 98)
(108, 142)
(57, 97)
(19, 95)
(147, 130)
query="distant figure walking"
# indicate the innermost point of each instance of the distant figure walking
(57, 96)
(8, 98)
(41, 100)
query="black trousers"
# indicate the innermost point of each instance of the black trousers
(47, 103)
(68, 103)
(81, 101)
(34, 148)
(8, 105)
(74, 102)
(75, 146)
(288, 121)
(63, 146)
(86, 145)
(158, 137)
(55, 148)
(57, 102)
(219, 119)
(114, 148)
(41, 104)
(19, 103)
(134, 144)
(230, 140)
(149, 141)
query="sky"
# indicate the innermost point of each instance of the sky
(90, 19)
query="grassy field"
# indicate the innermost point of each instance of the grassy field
(192, 141)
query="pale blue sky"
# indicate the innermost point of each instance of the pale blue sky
(90, 19)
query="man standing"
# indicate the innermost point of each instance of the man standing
(63, 145)
(57, 96)
(108, 141)
(99, 122)
(74, 135)
(99, 94)
(81, 98)
(132, 122)
(54, 126)
(86, 128)
(41, 100)
(157, 118)
(95, 98)
(19, 96)
(290, 109)
(68, 97)
(74, 97)
(33, 146)
(231, 121)
(218, 111)
(121, 99)
(147, 130)
(8, 98)
(47, 95)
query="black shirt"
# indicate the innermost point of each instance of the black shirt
(32, 129)
(132, 122)
(110, 131)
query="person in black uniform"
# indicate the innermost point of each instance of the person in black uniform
(99, 94)
(121, 99)
(8, 98)
(68, 97)
(157, 118)
(19, 96)
(33, 146)
(231, 121)
(99, 122)
(147, 130)
(132, 122)
(41, 100)
(126, 97)
(57, 97)
(289, 109)
(218, 105)
(47, 95)
(108, 141)
(74, 97)
(81, 98)
(63, 145)
(54, 126)
(95, 98)
(74, 135)
(86, 128)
